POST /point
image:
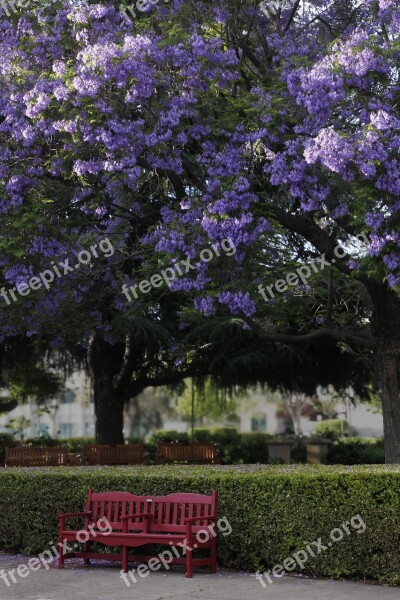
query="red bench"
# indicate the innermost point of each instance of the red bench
(174, 520)
(103, 454)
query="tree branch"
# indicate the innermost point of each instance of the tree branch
(318, 237)
(291, 16)
(339, 335)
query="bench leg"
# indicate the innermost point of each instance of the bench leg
(60, 562)
(124, 552)
(189, 564)
(86, 547)
(214, 566)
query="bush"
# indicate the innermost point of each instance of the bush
(228, 441)
(254, 448)
(74, 445)
(299, 450)
(332, 429)
(42, 442)
(272, 511)
(357, 451)
(165, 435)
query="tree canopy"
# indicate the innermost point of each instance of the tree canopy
(196, 124)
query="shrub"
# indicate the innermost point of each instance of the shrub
(165, 435)
(254, 448)
(228, 441)
(299, 450)
(44, 441)
(73, 444)
(357, 451)
(332, 429)
(272, 511)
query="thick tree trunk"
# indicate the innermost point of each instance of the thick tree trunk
(104, 363)
(109, 411)
(386, 326)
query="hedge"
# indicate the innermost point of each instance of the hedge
(273, 510)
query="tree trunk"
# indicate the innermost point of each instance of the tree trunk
(109, 411)
(104, 363)
(386, 327)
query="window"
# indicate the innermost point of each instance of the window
(66, 430)
(69, 397)
(43, 429)
(259, 423)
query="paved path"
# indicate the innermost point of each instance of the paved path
(77, 582)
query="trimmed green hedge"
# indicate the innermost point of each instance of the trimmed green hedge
(273, 511)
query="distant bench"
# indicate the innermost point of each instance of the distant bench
(103, 454)
(36, 457)
(195, 453)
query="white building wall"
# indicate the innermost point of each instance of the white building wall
(66, 418)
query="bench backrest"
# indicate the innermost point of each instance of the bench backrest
(169, 512)
(173, 452)
(197, 452)
(36, 457)
(204, 452)
(103, 454)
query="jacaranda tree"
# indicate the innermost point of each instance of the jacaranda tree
(201, 122)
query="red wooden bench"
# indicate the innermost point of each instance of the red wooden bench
(103, 454)
(139, 520)
(194, 453)
(36, 457)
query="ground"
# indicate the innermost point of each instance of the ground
(103, 582)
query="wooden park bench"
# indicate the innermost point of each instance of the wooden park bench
(194, 453)
(103, 454)
(36, 457)
(175, 520)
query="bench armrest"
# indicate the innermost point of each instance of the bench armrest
(204, 518)
(135, 515)
(76, 514)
